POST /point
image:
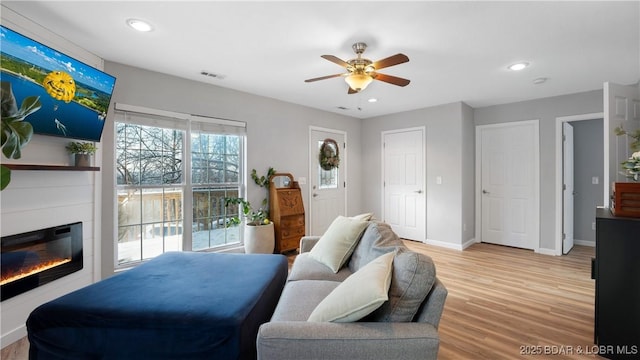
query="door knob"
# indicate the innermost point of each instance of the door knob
(485, 191)
(314, 195)
(418, 191)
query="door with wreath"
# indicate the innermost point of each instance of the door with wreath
(327, 184)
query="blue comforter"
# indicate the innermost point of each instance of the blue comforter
(180, 305)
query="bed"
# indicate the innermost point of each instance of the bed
(180, 305)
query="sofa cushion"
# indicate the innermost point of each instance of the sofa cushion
(359, 295)
(306, 268)
(377, 239)
(299, 298)
(337, 243)
(413, 277)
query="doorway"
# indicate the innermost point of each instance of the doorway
(404, 194)
(575, 213)
(328, 193)
(508, 184)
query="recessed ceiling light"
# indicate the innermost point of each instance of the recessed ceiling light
(139, 25)
(518, 66)
(372, 100)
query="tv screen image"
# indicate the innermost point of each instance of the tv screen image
(75, 97)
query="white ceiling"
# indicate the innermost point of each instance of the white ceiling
(458, 51)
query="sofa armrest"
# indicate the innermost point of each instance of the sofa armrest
(307, 243)
(284, 340)
(431, 309)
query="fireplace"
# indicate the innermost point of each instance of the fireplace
(38, 257)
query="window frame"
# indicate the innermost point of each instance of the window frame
(187, 123)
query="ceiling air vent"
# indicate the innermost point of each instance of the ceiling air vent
(212, 75)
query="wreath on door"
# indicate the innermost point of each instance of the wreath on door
(329, 155)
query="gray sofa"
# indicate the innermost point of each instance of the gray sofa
(379, 335)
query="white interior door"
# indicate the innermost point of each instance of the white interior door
(509, 178)
(567, 188)
(404, 188)
(328, 187)
(621, 109)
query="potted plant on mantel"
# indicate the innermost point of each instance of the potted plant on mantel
(259, 236)
(82, 151)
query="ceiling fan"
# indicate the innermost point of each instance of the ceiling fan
(361, 72)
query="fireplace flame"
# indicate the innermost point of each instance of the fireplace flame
(24, 272)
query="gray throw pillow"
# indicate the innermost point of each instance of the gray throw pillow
(412, 279)
(378, 239)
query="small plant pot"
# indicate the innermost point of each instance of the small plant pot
(259, 239)
(83, 160)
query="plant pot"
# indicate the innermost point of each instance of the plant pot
(83, 160)
(259, 239)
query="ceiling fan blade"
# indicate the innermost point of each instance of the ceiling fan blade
(323, 77)
(351, 91)
(336, 60)
(392, 79)
(390, 61)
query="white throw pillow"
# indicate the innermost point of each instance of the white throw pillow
(364, 216)
(359, 294)
(336, 245)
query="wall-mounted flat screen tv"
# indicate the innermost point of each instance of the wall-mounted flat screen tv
(74, 96)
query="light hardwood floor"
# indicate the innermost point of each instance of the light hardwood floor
(502, 302)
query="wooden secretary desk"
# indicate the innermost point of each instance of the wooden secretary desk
(286, 211)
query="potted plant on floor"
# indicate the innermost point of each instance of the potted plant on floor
(258, 229)
(259, 236)
(82, 151)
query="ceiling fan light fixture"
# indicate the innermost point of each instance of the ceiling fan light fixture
(358, 82)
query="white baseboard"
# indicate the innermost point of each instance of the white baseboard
(12, 336)
(469, 242)
(449, 245)
(545, 251)
(584, 242)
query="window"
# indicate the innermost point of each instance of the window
(215, 169)
(169, 199)
(327, 179)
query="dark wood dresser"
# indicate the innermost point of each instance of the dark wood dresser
(617, 273)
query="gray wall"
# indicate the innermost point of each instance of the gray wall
(588, 162)
(546, 110)
(277, 133)
(468, 173)
(449, 148)
(277, 130)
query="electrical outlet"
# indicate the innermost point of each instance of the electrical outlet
(593, 226)
(595, 180)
